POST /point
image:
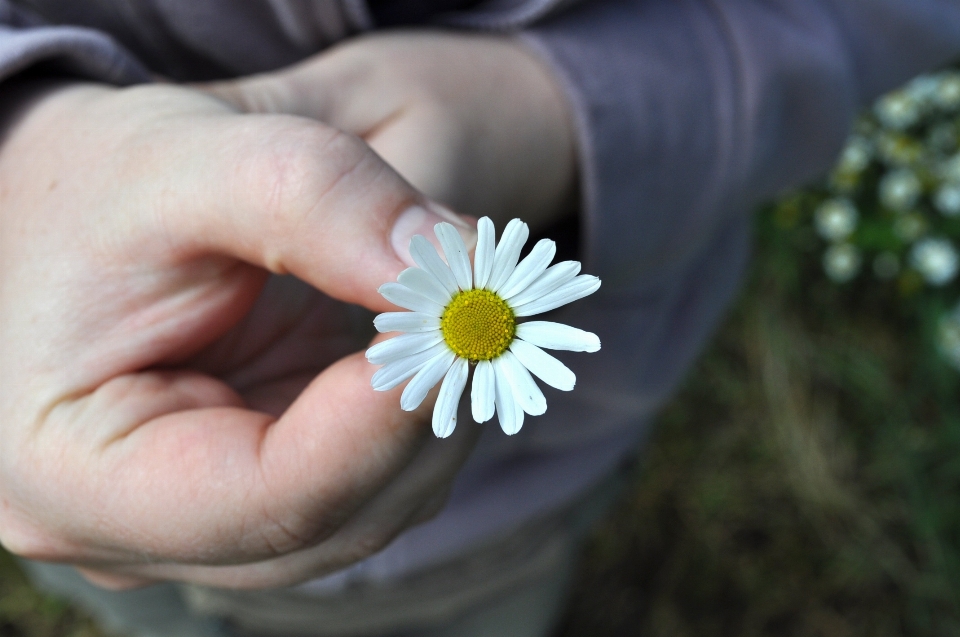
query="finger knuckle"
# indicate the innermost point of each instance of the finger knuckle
(299, 168)
(284, 534)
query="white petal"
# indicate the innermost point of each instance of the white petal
(428, 376)
(405, 297)
(508, 411)
(392, 374)
(425, 255)
(558, 336)
(486, 248)
(528, 270)
(456, 252)
(424, 284)
(525, 390)
(483, 395)
(402, 346)
(445, 411)
(508, 253)
(543, 366)
(583, 285)
(555, 276)
(406, 322)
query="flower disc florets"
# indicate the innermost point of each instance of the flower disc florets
(478, 325)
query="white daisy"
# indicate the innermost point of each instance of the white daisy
(900, 189)
(948, 93)
(464, 317)
(841, 262)
(898, 110)
(836, 219)
(856, 155)
(947, 199)
(936, 259)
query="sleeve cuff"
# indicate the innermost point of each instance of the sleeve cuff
(70, 50)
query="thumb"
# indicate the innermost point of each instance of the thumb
(292, 195)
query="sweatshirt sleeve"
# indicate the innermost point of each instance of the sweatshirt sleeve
(690, 111)
(688, 114)
(26, 42)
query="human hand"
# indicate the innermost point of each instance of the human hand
(162, 414)
(474, 121)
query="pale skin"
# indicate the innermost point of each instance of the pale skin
(164, 416)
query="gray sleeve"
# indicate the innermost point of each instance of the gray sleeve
(690, 111)
(25, 42)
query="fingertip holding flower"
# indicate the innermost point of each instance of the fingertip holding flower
(462, 316)
(423, 220)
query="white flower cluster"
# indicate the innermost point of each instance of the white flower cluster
(894, 196)
(902, 165)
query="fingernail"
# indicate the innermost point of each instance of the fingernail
(420, 219)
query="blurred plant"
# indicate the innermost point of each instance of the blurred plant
(805, 482)
(892, 202)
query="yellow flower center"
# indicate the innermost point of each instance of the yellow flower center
(478, 325)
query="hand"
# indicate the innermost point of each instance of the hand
(163, 415)
(473, 121)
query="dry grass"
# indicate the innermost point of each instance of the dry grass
(804, 482)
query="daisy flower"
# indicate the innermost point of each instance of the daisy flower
(842, 262)
(898, 110)
(936, 259)
(900, 189)
(464, 317)
(836, 219)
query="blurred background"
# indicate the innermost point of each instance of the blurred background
(806, 480)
